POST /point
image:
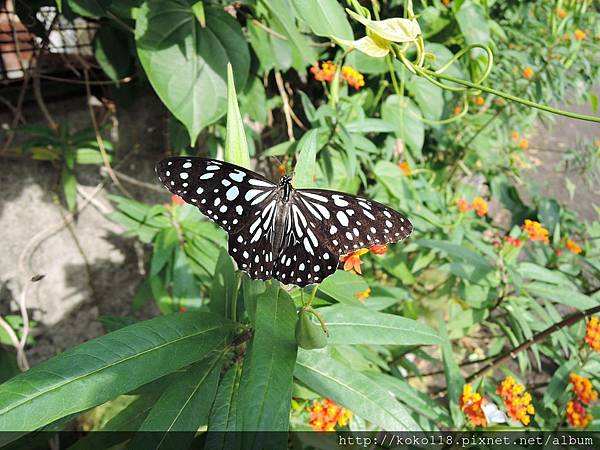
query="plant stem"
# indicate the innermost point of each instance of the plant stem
(512, 353)
(235, 295)
(508, 96)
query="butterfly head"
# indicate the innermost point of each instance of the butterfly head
(286, 185)
(285, 180)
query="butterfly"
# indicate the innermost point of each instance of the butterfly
(275, 231)
(493, 414)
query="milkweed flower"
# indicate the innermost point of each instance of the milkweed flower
(378, 249)
(353, 77)
(470, 402)
(363, 295)
(536, 231)
(352, 261)
(515, 242)
(325, 73)
(405, 168)
(573, 247)
(463, 206)
(177, 200)
(583, 389)
(480, 206)
(577, 416)
(524, 144)
(515, 136)
(592, 333)
(325, 415)
(580, 35)
(561, 13)
(528, 73)
(516, 400)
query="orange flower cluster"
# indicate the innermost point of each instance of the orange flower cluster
(583, 389)
(352, 261)
(479, 100)
(405, 168)
(470, 402)
(515, 242)
(324, 416)
(528, 73)
(573, 247)
(353, 77)
(327, 73)
(576, 414)
(363, 295)
(521, 142)
(561, 13)
(479, 205)
(536, 231)
(592, 333)
(516, 400)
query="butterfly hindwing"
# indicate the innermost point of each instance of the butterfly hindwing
(347, 223)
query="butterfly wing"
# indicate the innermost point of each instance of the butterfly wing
(349, 223)
(240, 201)
(322, 225)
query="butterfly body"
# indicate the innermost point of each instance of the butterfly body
(276, 231)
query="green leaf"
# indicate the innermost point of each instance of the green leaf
(283, 15)
(454, 380)
(69, 188)
(540, 273)
(418, 401)
(112, 51)
(325, 18)
(102, 368)
(355, 325)
(429, 97)
(566, 296)
(187, 64)
(342, 287)
(223, 416)
(405, 116)
(267, 376)
(236, 145)
(164, 246)
(472, 22)
(457, 251)
(305, 170)
(183, 406)
(223, 285)
(89, 8)
(559, 382)
(352, 390)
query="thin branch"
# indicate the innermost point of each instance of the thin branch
(37, 93)
(100, 141)
(512, 353)
(134, 181)
(269, 30)
(286, 105)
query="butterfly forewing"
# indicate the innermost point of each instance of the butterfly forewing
(346, 223)
(227, 194)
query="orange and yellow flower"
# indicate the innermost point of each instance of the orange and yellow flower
(573, 247)
(515, 242)
(325, 415)
(480, 206)
(592, 333)
(528, 73)
(470, 402)
(479, 100)
(523, 144)
(353, 77)
(536, 231)
(516, 400)
(405, 168)
(580, 35)
(561, 13)
(177, 200)
(515, 136)
(325, 73)
(577, 416)
(363, 295)
(583, 389)
(378, 249)
(352, 261)
(463, 206)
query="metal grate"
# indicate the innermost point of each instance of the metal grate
(47, 41)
